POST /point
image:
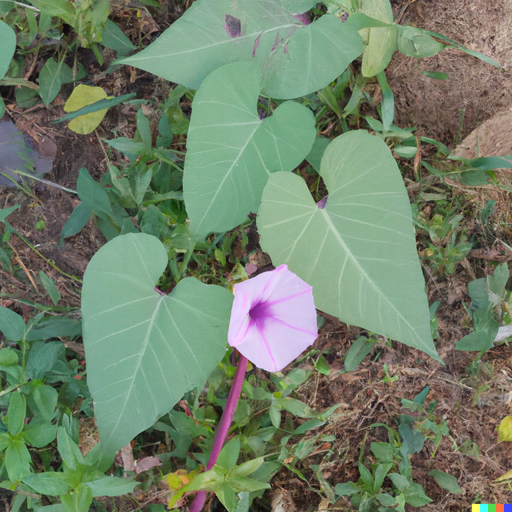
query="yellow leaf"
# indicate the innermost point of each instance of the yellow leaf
(505, 429)
(82, 96)
(180, 478)
(506, 476)
(174, 481)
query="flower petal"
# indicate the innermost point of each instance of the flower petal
(256, 349)
(239, 321)
(247, 295)
(273, 318)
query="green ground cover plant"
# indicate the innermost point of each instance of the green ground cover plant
(43, 23)
(368, 493)
(489, 310)
(262, 80)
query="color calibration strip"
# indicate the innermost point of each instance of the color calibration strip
(491, 508)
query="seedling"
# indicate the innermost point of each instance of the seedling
(447, 245)
(490, 312)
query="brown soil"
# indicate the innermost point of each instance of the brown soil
(474, 405)
(492, 138)
(436, 106)
(53, 206)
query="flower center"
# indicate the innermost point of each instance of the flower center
(259, 311)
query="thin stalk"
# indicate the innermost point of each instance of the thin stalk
(223, 428)
(27, 6)
(50, 262)
(23, 346)
(46, 182)
(6, 391)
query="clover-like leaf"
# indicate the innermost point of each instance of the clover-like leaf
(144, 349)
(231, 151)
(357, 247)
(298, 58)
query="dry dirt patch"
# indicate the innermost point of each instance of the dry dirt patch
(435, 106)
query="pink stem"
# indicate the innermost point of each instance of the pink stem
(223, 428)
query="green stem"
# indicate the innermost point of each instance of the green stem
(50, 262)
(7, 391)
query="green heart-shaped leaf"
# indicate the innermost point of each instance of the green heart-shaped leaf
(359, 252)
(310, 58)
(298, 58)
(231, 152)
(144, 350)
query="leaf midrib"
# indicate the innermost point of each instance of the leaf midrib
(137, 368)
(227, 174)
(349, 253)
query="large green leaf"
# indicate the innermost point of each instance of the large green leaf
(144, 349)
(8, 38)
(382, 42)
(298, 59)
(231, 151)
(359, 252)
(296, 6)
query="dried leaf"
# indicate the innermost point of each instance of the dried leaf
(146, 463)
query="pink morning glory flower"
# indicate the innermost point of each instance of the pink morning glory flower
(273, 319)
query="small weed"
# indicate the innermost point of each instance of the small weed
(372, 492)
(490, 312)
(447, 244)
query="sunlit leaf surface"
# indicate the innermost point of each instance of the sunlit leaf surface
(231, 151)
(82, 96)
(358, 251)
(144, 350)
(297, 58)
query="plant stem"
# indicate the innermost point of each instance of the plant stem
(223, 428)
(27, 6)
(229, 411)
(46, 182)
(6, 391)
(50, 262)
